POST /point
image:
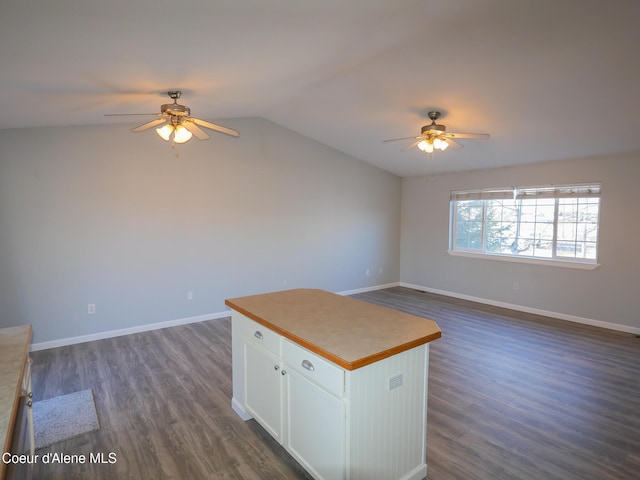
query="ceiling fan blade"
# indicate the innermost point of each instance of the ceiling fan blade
(148, 125)
(213, 126)
(412, 145)
(195, 129)
(403, 138)
(132, 114)
(453, 144)
(467, 135)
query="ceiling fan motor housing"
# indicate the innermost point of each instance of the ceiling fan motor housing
(175, 109)
(433, 129)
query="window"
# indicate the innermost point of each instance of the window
(555, 223)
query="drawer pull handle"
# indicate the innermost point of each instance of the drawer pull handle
(258, 334)
(308, 365)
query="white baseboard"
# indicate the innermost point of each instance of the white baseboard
(212, 316)
(520, 308)
(369, 289)
(417, 473)
(239, 409)
(126, 331)
(170, 323)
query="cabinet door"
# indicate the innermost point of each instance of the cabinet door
(263, 388)
(315, 422)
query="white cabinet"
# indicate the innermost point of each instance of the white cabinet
(315, 411)
(296, 396)
(315, 422)
(362, 424)
(263, 388)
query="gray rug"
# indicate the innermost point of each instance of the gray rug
(64, 417)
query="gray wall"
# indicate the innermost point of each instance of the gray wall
(99, 215)
(610, 293)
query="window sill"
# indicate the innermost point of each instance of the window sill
(534, 261)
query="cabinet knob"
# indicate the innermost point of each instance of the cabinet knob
(276, 367)
(308, 365)
(283, 372)
(258, 334)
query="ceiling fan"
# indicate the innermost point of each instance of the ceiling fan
(434, 136)
(176, 122)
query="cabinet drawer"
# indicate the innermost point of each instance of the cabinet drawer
(266, 338)
(312, 366)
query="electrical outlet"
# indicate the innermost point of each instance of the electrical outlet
(395, 382)
(516, 285)
(284, 283)
(367, 272)
(189, 295)
(91, 308)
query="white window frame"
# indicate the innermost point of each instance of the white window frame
(583, 190)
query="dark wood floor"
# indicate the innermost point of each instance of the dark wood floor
(511, 396)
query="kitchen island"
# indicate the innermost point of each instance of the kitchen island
(16, 426)
(340, 383)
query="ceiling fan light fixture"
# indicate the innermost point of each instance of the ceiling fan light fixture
(181, 135)
(426, 146)
(440, 144)
(165, 131)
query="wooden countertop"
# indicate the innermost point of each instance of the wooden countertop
(346, 331)
(14, 349)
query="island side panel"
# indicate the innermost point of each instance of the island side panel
(237, 363)
(387, 428)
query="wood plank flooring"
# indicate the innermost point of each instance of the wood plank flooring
(163, 401)
(511, 396)
(520, 396)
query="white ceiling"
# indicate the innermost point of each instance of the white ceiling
(547, 79)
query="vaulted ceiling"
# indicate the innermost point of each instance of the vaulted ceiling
(547, 79)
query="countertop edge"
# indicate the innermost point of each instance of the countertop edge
(361, 362)
(14, 407)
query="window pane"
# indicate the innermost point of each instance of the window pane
(545, 213)
(566, 231)
(566, 249)
(462, 242)
(522, 246)
(493, 245)
(587, 231)
(543, 249)
(531, 227)
(567, 209)
(544, 231)
(528, 211)
(578, 228)
(509, 212)
(592, 233)
(591, 212)
(475, 241)
(590, 250)
(468, 216)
